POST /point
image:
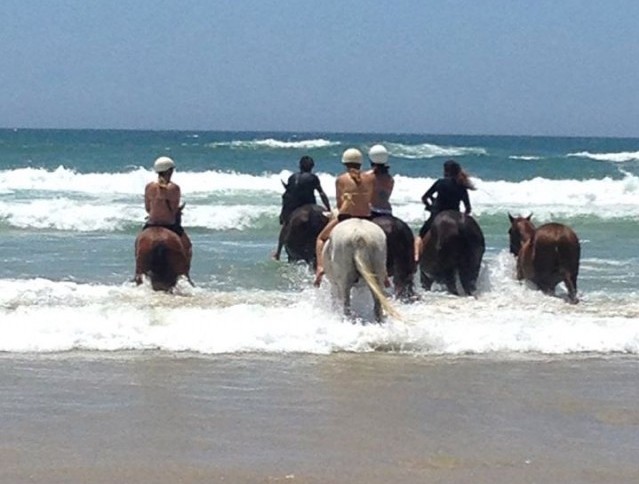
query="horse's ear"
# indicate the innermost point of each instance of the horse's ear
(529, 216)
(284, 185)
(511, 218)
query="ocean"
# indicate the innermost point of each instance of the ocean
(71, 204)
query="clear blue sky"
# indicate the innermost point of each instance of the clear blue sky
(541, 67)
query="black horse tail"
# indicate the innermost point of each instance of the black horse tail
(401, 250)
(161, 272)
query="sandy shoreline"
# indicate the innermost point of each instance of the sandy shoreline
(300, 418)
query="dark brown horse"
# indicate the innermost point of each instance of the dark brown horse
(400, 262)
(546, 255)
(159, 254)
(454, 246)
(300, 231)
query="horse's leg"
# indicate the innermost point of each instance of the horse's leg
(377, 309)
(319, 251)
(425, 280)
(139, 270)
(571, 285)
(346, 300)
(468, 277)
(280, 244)
(468, 284)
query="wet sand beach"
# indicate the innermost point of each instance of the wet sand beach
(363, 418)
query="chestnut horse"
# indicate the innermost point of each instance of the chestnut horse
(454, 246)
(546, 255)
(299, 233)
(159, 254)
(400, 262)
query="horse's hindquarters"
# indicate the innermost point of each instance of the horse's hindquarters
(454, 248)
(161, 256)
(357, 251)
(301, 231)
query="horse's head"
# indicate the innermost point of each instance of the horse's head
(521, 230)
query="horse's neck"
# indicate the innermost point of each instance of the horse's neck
(528, 233)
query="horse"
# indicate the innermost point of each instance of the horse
(400, 263)
(454, 246)
(160, 255)
(299, 233)
(546, 255)
(354, 254)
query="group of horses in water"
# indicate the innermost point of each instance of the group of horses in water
(380, 251)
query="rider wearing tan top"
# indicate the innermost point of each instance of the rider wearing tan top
(162, 202)
(353, 192)
(383, 182)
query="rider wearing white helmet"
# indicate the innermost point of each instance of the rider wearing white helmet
(162, 202)
(353, 190)
(384, 183)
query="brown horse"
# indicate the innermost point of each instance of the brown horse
(400, 262)
(300, 231)
(454, 246)
(160, 255)
(546, 255)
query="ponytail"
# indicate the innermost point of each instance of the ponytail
(164, 179)
(355, 174)
(464, 180)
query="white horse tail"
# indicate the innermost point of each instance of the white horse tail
(363, 267)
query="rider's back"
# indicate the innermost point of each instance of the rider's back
(162, 203)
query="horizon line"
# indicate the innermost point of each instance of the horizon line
(369, 133)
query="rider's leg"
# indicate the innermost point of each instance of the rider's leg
(137, 278)
(188, 248)
(319, 250)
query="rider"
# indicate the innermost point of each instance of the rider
(383, 184)
(300, 190)
(353, 191)
(451, 190)
(162, 203)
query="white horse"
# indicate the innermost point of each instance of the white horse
(356, 254)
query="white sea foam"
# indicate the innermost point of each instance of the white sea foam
(506, 318)
(525, 157)
(276, 144)
(621, 157)
(64, 200)
(428, 150)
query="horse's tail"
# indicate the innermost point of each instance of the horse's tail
(364, 268)
(158, 260)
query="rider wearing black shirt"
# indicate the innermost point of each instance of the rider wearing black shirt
(300, 189)
(450, 190)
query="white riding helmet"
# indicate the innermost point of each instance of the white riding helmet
(162, 164)
(352, 155)
(378, 155)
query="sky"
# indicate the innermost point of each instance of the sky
(511, 67)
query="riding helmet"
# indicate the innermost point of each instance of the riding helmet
(378, 155)
(352, 155)
(162, 164)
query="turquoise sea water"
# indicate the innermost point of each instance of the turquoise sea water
(71, 205)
